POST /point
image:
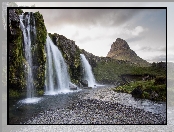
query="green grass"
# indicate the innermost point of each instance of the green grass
(111, 71)
(147, 87)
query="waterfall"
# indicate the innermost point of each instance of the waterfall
(57, 78)
(27, 28)
(88, 75)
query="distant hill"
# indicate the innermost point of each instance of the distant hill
(120, 50)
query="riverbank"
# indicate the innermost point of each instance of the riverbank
(102, 106)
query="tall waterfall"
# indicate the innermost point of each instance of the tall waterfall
(57, 77)
(88, 75)
(27, 27)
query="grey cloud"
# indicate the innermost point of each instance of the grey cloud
(133, 39)
(86, 17)
(148, 48)
(162, 48)
(85, 39)
(76, 34)
(158, 58)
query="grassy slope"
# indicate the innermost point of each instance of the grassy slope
(111, 72)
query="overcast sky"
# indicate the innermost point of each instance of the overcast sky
(96, 29)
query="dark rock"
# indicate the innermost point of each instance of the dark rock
(160, 80)
(153, 95)
(137, 92)
(84, 83)
(87, 87)
(148, 77)
(73, 88)
(13, 22)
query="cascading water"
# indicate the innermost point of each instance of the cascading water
(88, 75)
(57, 77)
(27, 27)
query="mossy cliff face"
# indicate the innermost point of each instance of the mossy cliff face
(16, 54)
(17, 61)
(38, 50)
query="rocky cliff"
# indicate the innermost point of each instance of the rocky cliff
(16, 54)
(120, 50)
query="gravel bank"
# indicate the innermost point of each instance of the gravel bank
(97, 106)
(88, 111)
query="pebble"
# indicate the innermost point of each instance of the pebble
(91, 109)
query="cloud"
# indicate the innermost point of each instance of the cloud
(137, 30)
(85, 39)
(149, 48)
(133, 39)
(87, 17)
(158, 58)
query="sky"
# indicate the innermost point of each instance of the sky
(95, 30)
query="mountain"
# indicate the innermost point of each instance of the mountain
(120, 50)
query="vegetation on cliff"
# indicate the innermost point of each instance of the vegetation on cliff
(38, 51)
(16, 55)
(147, 89)
(17, 61)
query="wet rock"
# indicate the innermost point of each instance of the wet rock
(72, 86)
(137, 92)
(153, 95)
(84, 83)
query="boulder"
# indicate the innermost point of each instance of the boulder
(84, 83)
(137, 92)
(153, 95)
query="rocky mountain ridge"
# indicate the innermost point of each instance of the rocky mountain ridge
(120, 50)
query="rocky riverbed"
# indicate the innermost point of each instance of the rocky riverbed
(98, 106)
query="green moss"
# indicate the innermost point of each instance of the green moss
(19, 11)
(40, 92)
(14, 93)
(147, 87)
(16, 62)
(39, 52)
